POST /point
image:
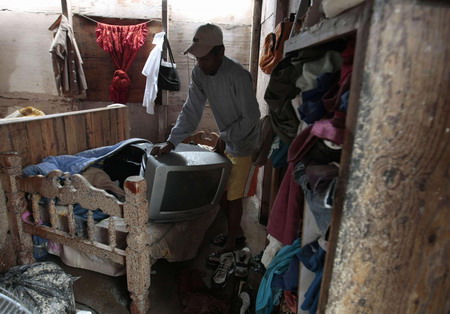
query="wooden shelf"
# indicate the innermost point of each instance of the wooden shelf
(327, 29)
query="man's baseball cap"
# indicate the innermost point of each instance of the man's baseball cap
(205, 38)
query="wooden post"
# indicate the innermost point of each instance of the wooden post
(266, 193)
(391, 234)
(254, 47)
(10, 167)
(162, 111)
(67, 10)
(138, 250)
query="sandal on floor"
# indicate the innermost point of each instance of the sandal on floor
(243, 258)
(220, 240)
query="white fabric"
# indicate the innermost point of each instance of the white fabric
(271, 250)
(329, 63)
(331, 8)
(296, 102)
(151, 70)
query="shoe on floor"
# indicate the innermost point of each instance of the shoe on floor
(243, 258)
(225, 268)
(242, 301)
(256, 264)
(213, 259)
(221, 239)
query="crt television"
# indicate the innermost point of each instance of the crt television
(184, 183)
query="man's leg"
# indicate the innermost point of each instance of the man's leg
(232, 201)
(234, 216)
(224, 204)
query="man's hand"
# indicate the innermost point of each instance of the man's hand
(219, 147)
(164, 149)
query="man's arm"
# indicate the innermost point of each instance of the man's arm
(188, 119)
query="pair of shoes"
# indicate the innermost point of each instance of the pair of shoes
(225, 268)
(221, 239)
(243, 258)
(213, 259)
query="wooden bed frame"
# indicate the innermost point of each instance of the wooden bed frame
(71, 133)
(32, 139)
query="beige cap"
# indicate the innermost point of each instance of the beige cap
(205, 38)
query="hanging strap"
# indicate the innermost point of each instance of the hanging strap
(166, 42)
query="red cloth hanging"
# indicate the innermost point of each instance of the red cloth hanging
(122, 42)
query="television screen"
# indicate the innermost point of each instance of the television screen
(185, 183)
(190, 189)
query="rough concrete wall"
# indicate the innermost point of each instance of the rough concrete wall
(268, 24)
(147, 9)
(27, 78)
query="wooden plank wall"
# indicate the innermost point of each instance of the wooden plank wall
(98, 66)
(65, 133)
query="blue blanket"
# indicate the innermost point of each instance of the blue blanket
(77, 163)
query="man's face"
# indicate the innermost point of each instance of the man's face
(210, 63)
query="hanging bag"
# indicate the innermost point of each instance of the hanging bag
(168, 76)
(272, 51)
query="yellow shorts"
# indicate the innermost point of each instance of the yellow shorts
(243, 176)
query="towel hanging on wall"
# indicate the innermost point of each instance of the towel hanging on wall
(122, 42)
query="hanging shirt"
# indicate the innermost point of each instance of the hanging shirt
(233, 102)
(151, 70)
(66, 59)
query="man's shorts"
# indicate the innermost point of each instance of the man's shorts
(243, 178)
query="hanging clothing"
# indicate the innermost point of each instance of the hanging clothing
(122, 42)
(312, 256)
(308, 146)
(151, 70)
(267, 297)
(318, 183)
(66, 59)
(329, 63)
(312, 108)
(287, 209)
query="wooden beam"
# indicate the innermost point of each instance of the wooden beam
(266, 196)
(106, 252)
(161, 111)
(357, 77)
(327, 29)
